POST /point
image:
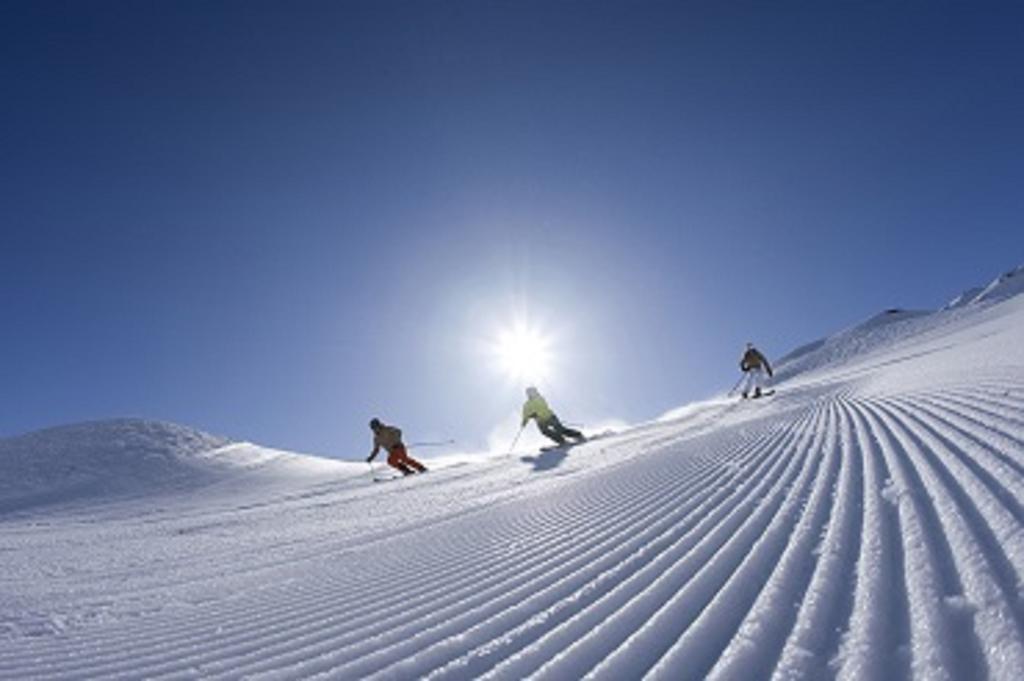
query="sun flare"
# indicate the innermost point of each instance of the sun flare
(523, 353)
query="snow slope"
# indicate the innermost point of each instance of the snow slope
(895, 326)
(65, 464)
(864, 523)
(106, 461)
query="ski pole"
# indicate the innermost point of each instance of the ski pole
(516, 441)
(432, 444)
(729, 394)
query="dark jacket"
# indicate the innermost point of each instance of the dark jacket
(386, 437)
(753, 359)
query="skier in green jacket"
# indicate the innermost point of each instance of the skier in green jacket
(536, 407)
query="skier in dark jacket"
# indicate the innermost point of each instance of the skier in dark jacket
(536, 407)
(754, 365)
(390, 439)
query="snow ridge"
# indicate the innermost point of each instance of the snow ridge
(101, 459)
(894, 326)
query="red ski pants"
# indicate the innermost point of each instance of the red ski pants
(400, 459)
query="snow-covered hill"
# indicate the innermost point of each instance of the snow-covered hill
(101, 459)
(109, 461)
(867, 522)
(896, 326)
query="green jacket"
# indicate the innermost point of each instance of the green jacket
(537, 407)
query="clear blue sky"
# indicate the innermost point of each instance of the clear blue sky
(275, 220)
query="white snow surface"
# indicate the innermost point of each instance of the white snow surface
(863, 523)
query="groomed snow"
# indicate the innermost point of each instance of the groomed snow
(863, 523)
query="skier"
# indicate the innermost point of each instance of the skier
(536, 407)
(390, 438)
(754, 364)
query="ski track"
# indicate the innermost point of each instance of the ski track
(837, 533)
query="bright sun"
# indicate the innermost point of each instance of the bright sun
(523, 353)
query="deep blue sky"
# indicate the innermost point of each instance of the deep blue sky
(274, 220)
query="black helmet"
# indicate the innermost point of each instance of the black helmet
(375, 423)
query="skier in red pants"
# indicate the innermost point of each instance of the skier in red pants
(390, 438)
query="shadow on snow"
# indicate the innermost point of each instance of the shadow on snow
(546, 461)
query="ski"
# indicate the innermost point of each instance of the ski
(766, 393)
(570, 445)
(567, 445)
(392, 478)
